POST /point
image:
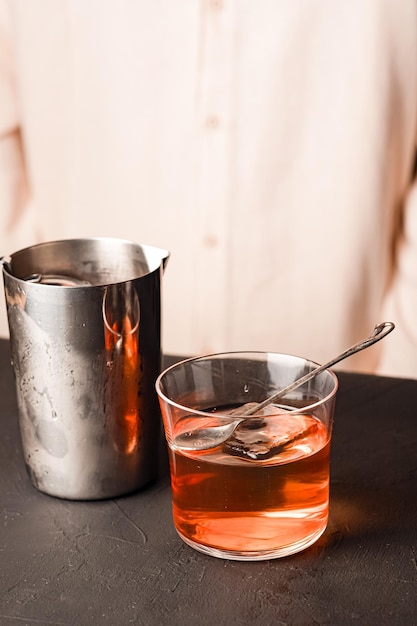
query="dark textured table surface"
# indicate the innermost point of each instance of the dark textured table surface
(121, 562)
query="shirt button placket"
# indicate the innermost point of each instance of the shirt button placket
(213, 174)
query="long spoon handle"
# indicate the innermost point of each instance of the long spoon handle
(380, 331)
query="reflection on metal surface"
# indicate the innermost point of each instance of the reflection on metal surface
(121, 314)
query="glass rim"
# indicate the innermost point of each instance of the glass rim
(241, 353)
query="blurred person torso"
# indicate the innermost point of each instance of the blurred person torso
(268, 145)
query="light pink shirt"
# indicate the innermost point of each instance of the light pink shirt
(268, 145)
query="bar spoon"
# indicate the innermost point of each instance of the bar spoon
(203, 439)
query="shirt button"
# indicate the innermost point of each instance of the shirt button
(216, 4)
(212, 122)
(210, 241)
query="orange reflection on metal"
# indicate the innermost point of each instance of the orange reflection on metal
(122, 346)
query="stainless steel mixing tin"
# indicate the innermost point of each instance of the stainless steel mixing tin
(84, 319)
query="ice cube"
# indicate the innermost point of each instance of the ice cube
(260, 439)
(269, 409)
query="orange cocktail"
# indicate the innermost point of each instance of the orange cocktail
(246, 487)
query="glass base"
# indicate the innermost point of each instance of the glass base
(278, 553)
